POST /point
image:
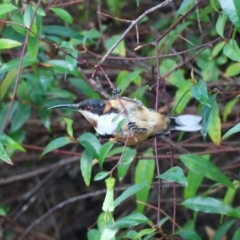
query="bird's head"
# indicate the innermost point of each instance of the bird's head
(89, 108)
(98, 112)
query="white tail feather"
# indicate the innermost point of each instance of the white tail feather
(187, 123)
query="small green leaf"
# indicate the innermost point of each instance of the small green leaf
(232, 70)
(222, 230)
(6, 82)
(44, 115)
(174, 174)
(228, 108)
(220, 25)
(188, 234)
(231, 50)
(129, 192)
(206, 112)
(104, 152)
(120, 48)
(84, 88)
(14, 64)
(9, 142)
(144, 232)
(91, 143)
(124, 80)
(163, 220)
(86, 166)
(231, 131)
(131, 220)
(144, 173)
(4, 156)
(55, 144)
(203, 167)
(69, 123)
(209, 205)
(127, 158)
(194, 181)
(214, 124)
(184, 6)
(6, 8)
(230, 9)
(101, 175)
(236, 235)
(93, 234)
(63, 14)
(20, 117)
(199, 91)
(8, 43)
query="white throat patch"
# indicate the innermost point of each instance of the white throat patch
(104, 126)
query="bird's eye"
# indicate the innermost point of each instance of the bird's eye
(88, 108)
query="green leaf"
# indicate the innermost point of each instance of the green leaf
(91, 143)
(4, 156)
(7, 82)
(203, 167)
(228, 108)
(28, 21)
(127, 158)
(44, 115)
(14, 64)
(104, 152)
(231, 131)
(129, 192)
(214, 124)
(230, 9)
(144, 232)
(120, 48)
(174, 174)
(232, 70)
(144, 173)
(209, 205)
(33, 47)
(236, 235)
(93, 234)
(194, 181)
(81, 85)
(231, 50)
(217, 49)
(8, 43)
(55, 144)
(9, 142)
(6, 8)
(124, 80)
(20, 117)
(86, 166)
(206, 112)
(222, 230)
(184, 6)
(199, 91)
(63, 14)
(220, 25)
(62, 31)
(162, 221)
(188, 234)
(69, 123)
(131, 220)
(101, 175)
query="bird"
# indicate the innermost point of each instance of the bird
(128, 121)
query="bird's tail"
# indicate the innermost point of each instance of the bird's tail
(186, 123)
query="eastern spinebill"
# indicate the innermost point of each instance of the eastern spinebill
(125, 119)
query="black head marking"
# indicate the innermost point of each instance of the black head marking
(92, 105)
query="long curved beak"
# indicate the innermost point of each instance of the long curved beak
(72, 106)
